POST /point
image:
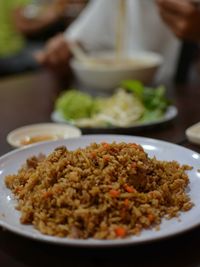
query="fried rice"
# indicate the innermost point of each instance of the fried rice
(103, 191)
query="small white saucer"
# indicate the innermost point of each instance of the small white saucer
(193, 133)
(41, 132)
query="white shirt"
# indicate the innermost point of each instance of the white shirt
(96, 29)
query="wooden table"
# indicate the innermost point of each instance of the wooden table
(29, 99)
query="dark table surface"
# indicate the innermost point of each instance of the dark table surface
(29, 99)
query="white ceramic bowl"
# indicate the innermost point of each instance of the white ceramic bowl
(109, 76)
(41, 132)
(193, 133)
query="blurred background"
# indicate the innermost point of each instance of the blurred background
(81, 50)
(33, 34)
(25, 27)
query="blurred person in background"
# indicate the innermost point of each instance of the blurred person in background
(183, 18)
(157, 26)
(24, 25)
(42, 18)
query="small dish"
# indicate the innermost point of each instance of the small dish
(193, 133)
(41, 132)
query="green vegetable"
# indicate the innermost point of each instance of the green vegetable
(74, 104)
(134, 86)
(154, 99)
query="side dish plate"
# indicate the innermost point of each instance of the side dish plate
(169, 115)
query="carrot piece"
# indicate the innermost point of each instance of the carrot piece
(133, 145)
(93, 154)
(129, 188)
(151, 217)
(18, 189)
(126, 202)
(106, 157)
(105, 145)
(133, 165)
(47, 194)
(120, 231)
(58, 190)
(114, 193)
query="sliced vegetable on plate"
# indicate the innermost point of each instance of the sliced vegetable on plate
(131, 104)
(153, 99)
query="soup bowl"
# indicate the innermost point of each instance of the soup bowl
(104, 71)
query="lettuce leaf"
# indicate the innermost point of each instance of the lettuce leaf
(74, 104)
(152, 98)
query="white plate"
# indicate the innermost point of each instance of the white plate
(40, 132)
(10, 163)
(169, 115)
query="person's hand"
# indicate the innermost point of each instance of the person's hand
(182, 16)
(56, 54)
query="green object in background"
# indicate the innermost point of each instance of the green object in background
(74, 104)
(11, 41)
